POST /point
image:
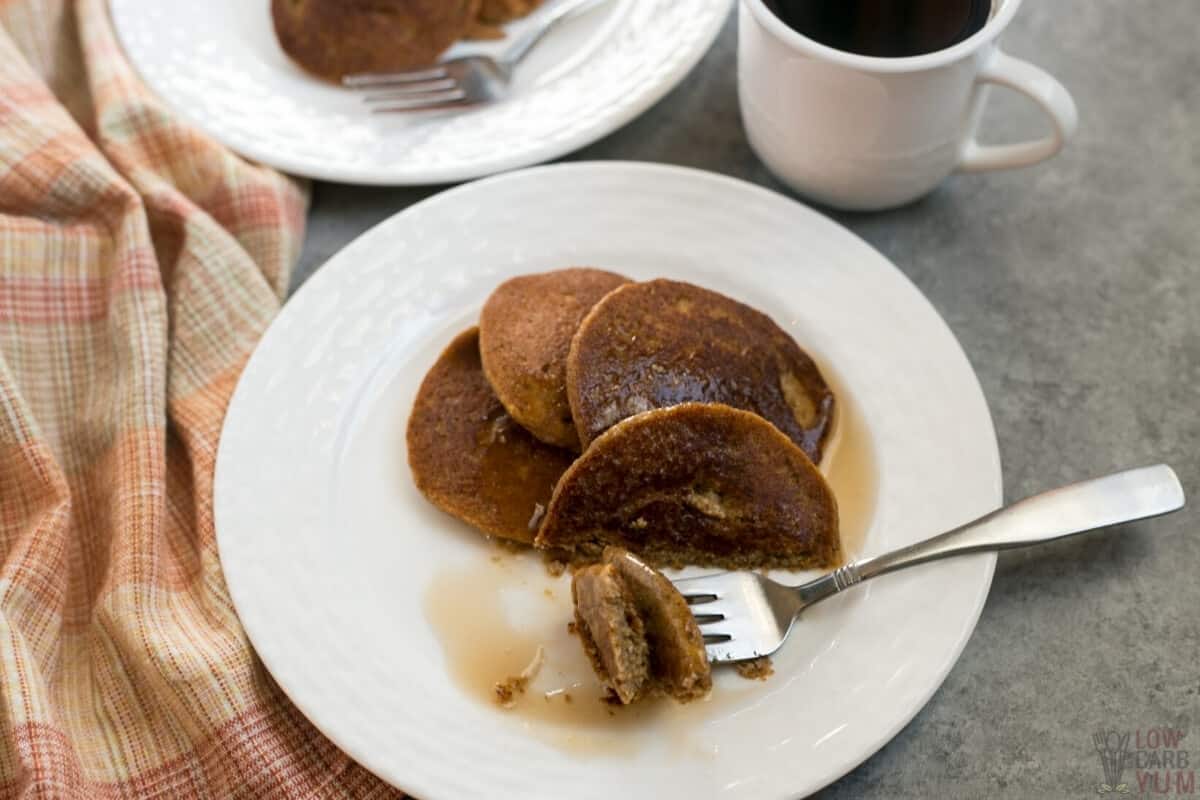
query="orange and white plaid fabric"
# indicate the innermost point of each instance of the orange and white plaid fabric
(139, 264)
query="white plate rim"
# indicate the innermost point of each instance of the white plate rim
(315, 285)
(599, 127)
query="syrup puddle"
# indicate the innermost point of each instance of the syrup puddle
(849, 466)
(471, 609)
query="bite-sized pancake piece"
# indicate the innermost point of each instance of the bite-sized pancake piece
(525, 331)
(611, 630)
(678, 663)
(467, 455)
(660, 343)
(334, 38)
(638, 630)
(697, 483)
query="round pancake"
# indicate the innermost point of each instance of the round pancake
(334, 38)
(696, 483)
(655, 344)
(467, 455)
(525, 331)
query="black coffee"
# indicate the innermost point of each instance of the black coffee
(884, 28)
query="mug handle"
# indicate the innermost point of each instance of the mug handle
(1037, 84)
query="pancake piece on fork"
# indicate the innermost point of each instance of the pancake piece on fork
(639, 631)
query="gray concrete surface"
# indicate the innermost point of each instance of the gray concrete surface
(1075, 289)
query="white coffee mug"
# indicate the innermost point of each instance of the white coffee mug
(860, 132)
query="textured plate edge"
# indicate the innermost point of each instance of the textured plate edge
(601, 126)
(987, 560)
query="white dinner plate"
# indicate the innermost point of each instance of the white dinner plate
(333, 558)
(218, 65)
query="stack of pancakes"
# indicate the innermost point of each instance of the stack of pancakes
(335, 38)
(587, 411)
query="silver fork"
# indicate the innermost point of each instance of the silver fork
(460, 82)
(745, 615)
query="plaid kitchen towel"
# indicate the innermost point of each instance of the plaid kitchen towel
(139, 264)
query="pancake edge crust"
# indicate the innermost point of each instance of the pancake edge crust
(695, 484)
(468, 457)
(661, 372)
(525, 331)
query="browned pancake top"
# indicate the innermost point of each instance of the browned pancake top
(333, 38)
(525, 331)
(659, 343)
(498, 12)
(696, 483)
(493, 14)
(468, 456)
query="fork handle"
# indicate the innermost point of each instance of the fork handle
(548, 21)
(1081, 507)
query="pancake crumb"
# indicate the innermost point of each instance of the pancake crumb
(512, 687)
(758, 669)
(507, 691)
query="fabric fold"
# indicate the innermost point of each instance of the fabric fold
(140, 262)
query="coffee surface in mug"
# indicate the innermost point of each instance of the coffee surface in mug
(884, 28)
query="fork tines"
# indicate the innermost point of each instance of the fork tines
(425, 89)
(416, 99)
(372, 79)
(702, 595)
(432, 88)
